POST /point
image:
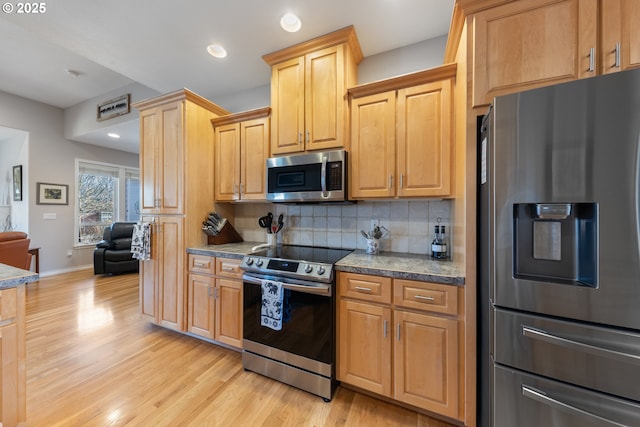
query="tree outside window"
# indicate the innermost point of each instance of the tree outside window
(105, 194)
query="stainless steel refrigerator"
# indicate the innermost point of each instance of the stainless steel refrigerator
(559, 256)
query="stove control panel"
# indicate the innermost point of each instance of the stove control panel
(280, 267)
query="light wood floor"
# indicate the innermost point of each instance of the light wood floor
(91, 361)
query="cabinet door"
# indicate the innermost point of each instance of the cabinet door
(201, 306)
(228, 325)
(364, 346)
(531, 43)
(426, 362)
(9, 375)
(227, 161)
(171, 289)
(373, 133)
(149, 146)
(287, 103)
(148, 288)
(148, 293)
(424, 140)
(161, 155)
(254, 152)
(619, 40)
(325, 106)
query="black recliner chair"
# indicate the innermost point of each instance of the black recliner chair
(113, 252)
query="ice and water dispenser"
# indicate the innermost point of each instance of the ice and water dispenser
(556, 242)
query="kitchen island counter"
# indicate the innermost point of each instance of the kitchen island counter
(403, 266)
(10, 277)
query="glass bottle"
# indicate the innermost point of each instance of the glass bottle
(439, 244)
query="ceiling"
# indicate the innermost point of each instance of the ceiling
(162, 45)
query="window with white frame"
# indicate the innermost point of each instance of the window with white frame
(105, 193)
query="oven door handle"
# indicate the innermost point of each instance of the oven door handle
(317, 289)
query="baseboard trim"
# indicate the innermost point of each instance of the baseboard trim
(65, 270)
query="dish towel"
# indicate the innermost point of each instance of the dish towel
(271, 312)
(141, 241)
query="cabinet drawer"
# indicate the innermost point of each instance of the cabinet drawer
(8, 303)
(365, 287)
(228, 267)
(433, 297)
(201, 264)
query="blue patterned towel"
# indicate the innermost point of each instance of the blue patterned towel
(271, 312)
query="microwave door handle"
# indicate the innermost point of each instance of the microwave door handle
(323, 177)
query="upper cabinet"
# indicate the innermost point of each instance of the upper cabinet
(526, 44)
(175, 130)
(308, 87)
(241, 151)
(402, 136)
(620, 38)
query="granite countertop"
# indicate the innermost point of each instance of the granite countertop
(227, 250)
(389, 264)
(402, 266)
(10, 277)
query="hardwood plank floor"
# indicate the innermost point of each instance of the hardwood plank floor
(91, 361)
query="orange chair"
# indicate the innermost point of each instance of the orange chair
(14, 249)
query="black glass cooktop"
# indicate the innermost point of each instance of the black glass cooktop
(304, 253)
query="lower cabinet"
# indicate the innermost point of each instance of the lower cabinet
(162, 276)
(12, 356)
(399, 338)
(215, 299)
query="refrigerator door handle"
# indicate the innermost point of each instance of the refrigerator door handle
(541, 396)
(541, 335)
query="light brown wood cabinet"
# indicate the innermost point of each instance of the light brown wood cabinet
(215, 299)
(175, 131)
(162, 291)
(308, 86)
(402, 139)
(405, 347)
(531, 43)
(241, 151)
(13, 409)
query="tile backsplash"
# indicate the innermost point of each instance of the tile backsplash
(410, 223)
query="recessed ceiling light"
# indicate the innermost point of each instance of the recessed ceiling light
(113, 135)
(216, 51)
(290, 22)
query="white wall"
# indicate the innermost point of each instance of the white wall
(51, 160)
(14, 214)
(408, 59)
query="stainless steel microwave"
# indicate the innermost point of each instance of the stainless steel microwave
(308, 177)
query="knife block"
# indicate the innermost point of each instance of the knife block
(228, 234)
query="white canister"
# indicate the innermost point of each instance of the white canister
(373, 245)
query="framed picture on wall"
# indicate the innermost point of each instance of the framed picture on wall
(17, 183)
(52, 194)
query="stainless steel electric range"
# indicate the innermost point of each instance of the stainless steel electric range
(289, 315)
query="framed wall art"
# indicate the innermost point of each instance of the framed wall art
(17, 183)
(52, 194)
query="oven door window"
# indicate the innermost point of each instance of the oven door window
(307, 324)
